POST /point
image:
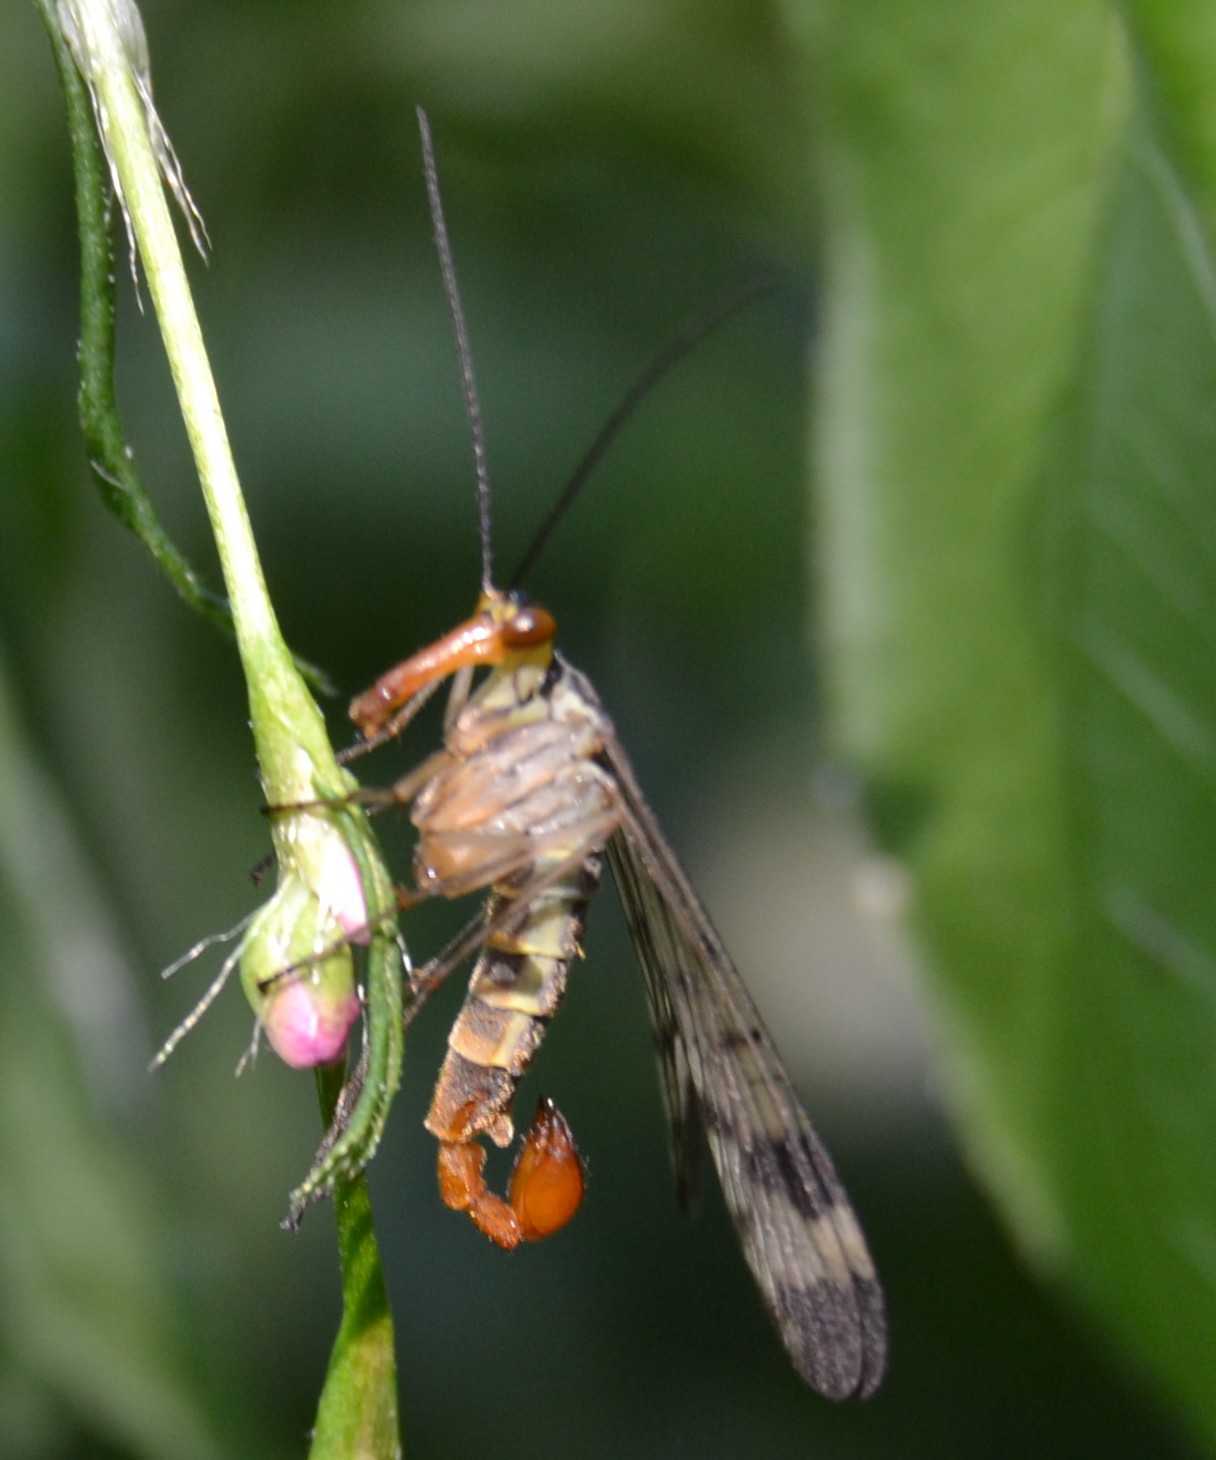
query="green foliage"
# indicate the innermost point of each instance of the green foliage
(88, 1338)
(1016, 436)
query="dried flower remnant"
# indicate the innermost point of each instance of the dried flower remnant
(87, 42)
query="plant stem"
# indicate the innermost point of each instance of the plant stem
(278, 696)
(357, 1411)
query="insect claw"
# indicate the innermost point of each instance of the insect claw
(546, 1188)
(462, 1188)
(549, 1178)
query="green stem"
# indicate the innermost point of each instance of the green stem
(357, 1412)
(278, 696)
(110, 457)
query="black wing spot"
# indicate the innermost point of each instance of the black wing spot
(773, 1167)
(734, 1040)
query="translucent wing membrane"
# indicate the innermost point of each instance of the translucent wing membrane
(722, 1071)
(685, 1125)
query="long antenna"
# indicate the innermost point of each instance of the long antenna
(464, 352)
(689, 335)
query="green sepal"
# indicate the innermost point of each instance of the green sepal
(363, 1105)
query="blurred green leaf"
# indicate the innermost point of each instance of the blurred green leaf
(1015, 439)
(86, 1327)
(1177, 43)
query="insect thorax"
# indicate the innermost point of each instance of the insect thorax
(518, 790)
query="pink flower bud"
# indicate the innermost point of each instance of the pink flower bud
(306, 1025)
(298, 974)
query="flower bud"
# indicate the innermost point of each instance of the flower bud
(340, 889)
(298, 974)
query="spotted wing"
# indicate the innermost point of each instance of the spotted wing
(721, 1069)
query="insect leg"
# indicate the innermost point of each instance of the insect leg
(458, 697)
(400, 793)
(469, 939)
(435, 971)
(392, 729)
(512, 909)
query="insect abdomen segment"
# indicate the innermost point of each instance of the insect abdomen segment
(515, 989)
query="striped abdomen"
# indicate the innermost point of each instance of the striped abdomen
(515, 989)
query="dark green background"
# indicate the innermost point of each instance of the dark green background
(607, 169)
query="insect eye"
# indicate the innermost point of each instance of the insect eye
(531, 625)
